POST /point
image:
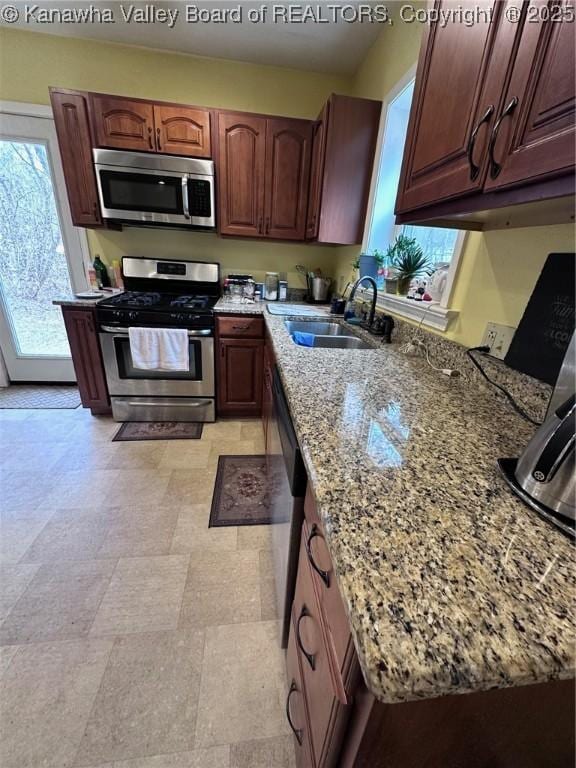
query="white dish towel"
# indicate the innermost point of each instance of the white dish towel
(159, 349)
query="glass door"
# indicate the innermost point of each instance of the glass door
(41, 252)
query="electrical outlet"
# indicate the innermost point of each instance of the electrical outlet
(498, 338)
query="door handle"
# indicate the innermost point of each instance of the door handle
(150, 143)
(158, 144)
(185, 201)
(495, 166)
(296, 731)
(475, 169)
(308, 656)
(197, 404)
(267, 228)
(260, 225)
(324, 575)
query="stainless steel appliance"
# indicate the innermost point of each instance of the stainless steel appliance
(155, 189)
(287, 476)
(161, 294)
(545, 475)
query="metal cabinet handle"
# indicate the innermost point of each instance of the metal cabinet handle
(267, 227)
(150, 143)
(260, 225)
(158, 144)
(475, 169)
(495, 166)
(240, 327)
(309, 656)
(296, 731)
(324, 575)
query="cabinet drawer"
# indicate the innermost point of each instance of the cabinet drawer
(316, 554)
(322, 682)
(247, 327)
(296, 711)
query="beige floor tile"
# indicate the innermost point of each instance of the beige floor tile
(144, 594)
(246, 662)
(18, 529)
(86, 456)
(252, 430)
(186, 454)
(187, 487)
(80, 489)
(60, 602)
(220, 604)
(147, 702)
(228, 429)
(137, 455)
(268, 605)
(32, 457)
(46, 697)
(255, 537)
(137, 531)
(13, 581)
(7, 653)
(226, 447)
(209, 569)
(214, 757)
(70, 534)
(24, 490)
(264, 753)
(132, 487)
(192, 533)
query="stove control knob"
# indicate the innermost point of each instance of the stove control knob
(132, 315)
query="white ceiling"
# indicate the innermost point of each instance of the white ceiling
(332, 46)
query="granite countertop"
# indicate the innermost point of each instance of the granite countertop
(74, 301)
(451, 583)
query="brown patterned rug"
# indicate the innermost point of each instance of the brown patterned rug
(242, 492)
(159, 430)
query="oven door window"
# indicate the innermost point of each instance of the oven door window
(200, 198)
(126, 369)
(145, 192)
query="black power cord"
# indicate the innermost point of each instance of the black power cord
(520, 411)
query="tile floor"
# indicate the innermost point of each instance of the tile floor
(131, 634)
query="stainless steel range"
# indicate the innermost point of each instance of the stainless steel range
(161, 294)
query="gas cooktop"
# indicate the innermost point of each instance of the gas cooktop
(151, 300)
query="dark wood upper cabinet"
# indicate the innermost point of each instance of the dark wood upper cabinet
(536, 136)
(123, 123)
(316, 174)
(182, 130)
(345, 145)
(288, 149)
(241, 163)
(454, 108)
(73, 130)
(491, 139)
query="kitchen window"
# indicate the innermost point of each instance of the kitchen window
(441, 245)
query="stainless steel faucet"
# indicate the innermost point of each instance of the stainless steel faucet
(374, 295)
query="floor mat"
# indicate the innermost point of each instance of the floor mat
(243, 492)
(39, 396)
(159, 430)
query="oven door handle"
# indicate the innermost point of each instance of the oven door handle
(124, 331)
(198, 404)
(185, 201)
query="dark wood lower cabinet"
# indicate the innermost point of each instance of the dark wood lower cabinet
(267, 402)
(82, 333)
(239, 366)
(338, 723)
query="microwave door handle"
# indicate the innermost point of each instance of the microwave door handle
(185, 203)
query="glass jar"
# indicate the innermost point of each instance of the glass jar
(271, 286)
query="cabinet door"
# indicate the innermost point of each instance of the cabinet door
(535, 136)
(72, 127)
(123, 123)
(87, 358)
(288, 149)
(241, 156)
(453, 110)
(182, 131)
(267, 393)
(316, 174)
(296, 710)
(240, 376)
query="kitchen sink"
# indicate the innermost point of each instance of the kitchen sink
(327, 335)
(315, 328)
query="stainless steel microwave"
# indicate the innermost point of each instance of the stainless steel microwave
(155, 189)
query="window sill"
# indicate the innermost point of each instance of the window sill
(429, 313)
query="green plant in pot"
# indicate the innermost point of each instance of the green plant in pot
(408, 261)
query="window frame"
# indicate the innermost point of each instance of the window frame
(433, 314)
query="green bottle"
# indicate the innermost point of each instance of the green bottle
(102, 276)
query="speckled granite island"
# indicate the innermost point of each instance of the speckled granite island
(451, 584)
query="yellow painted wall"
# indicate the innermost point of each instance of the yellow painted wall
(498, 270)
(30, 62)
